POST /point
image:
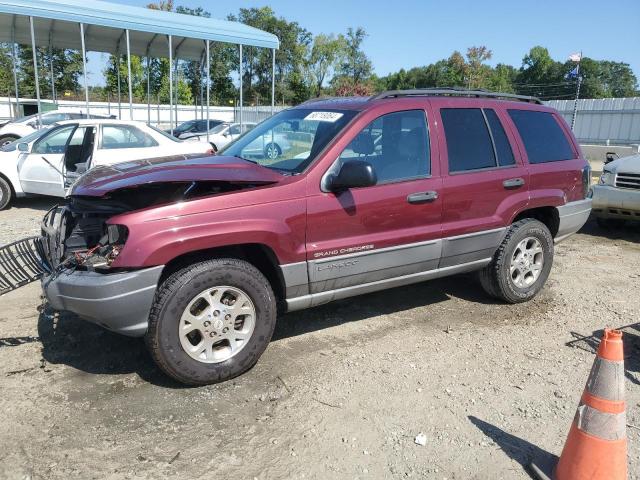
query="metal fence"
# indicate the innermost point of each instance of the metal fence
(156, 114)
(255, 114)
(608, 121)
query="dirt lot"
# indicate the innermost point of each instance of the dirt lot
(342, 391)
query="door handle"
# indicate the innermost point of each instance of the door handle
(422, 197)
(513, 183)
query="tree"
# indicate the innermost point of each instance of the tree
(324, 56)
(356, 65)
(67, 68)
(477, 71)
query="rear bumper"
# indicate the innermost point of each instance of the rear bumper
(612, 202)
(120, 302)
(572, 217)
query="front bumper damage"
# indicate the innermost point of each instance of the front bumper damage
(119, 301)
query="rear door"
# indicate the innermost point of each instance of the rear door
(41, 170)
(485, 184)
(121, 143)
(388, 230)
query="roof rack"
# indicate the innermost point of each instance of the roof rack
(454, 92)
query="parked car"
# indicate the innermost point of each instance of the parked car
(21, 127)
(194, 128)
(616, 197)
(226, 133)
(47, 161)
(199, 256)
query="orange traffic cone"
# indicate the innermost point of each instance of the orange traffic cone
(596, 448)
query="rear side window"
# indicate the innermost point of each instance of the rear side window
(500, 140)
(543, 137)
(469, 144)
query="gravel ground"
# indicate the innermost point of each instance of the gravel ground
(342, 391)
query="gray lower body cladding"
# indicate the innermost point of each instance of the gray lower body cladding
(120, 302)
(572, 217)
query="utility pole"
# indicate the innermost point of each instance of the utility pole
(575, 103)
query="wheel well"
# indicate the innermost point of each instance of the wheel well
(547, 215)
(260, 256)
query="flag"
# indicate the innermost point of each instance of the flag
(575, 57)
(573, 73)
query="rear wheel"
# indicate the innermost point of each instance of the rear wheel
(211, 321)
(6, 194)
(7, 139)
(521, 265)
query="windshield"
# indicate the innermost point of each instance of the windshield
(290, 140)
(218, 128)
(26, 139)
(164, 134)
(186, 126)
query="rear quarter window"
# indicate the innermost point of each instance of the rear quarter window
(543, 137)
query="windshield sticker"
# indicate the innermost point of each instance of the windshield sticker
(324, 116)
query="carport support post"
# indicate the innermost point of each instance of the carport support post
(208, 86)
(148, 88)
(84, 68)
(273, 81)
(118, 77)
(171, 82)
(53, 80)
(35, 68)
(15, 68)
(241, 119)
(130, 82)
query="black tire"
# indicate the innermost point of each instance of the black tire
(277, 148)
(174, 295)
(610, 223)
(6, 139)
(6, 194)
(496, 279)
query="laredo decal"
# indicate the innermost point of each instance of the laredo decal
(337, 265)
(342, 251)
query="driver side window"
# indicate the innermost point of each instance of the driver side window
(54, 142)
(395, 144)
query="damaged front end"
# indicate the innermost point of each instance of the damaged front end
(77, 235)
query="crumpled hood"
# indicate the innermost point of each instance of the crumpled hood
(629, 164)
(104, 179)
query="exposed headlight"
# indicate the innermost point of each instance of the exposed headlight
(606, 178)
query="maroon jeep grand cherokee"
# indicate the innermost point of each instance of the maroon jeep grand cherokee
(370, 193)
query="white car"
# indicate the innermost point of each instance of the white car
(270, 145)
(616, 197)
(21, 127)
(48, 160)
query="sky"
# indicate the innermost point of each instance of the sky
(409, 33)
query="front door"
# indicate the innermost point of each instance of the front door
(389, 230)
(42, 169)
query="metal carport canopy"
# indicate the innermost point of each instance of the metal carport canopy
(56, 23)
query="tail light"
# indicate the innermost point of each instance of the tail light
(586, 180)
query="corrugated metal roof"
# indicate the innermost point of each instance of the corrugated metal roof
(603, 120)
(58, 22)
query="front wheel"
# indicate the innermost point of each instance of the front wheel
(211, 321)
(272, 151)
(521, 265)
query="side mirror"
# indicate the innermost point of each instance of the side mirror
(610, 157)
(226, 134)
(353, 174)
(23, 147)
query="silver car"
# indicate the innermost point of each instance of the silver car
(616, 197)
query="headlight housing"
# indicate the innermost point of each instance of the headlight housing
(606, 178)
